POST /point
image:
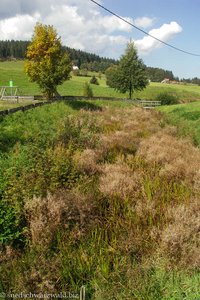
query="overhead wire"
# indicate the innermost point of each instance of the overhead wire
(143, 31)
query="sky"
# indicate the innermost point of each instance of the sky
(83, 25)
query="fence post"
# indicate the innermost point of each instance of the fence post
(82, 293)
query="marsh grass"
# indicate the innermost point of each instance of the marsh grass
(109, 199)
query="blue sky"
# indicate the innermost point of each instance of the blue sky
(185, 13)
(83, 25)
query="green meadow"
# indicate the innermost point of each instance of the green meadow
(14, 70)
(186, 117)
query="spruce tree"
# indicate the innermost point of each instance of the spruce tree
(130, 73)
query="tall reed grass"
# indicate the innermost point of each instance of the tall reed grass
(106, 199)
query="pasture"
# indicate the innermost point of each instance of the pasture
(14, 70)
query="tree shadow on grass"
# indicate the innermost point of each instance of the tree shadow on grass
(9, 136)
(8, 140)
(80, 104)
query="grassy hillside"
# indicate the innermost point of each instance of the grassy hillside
(14, 71)
(99, 194)
(186, 117)
(7, 104)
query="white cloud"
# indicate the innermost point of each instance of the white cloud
(80, 24)
(112, 23)
(144, 22)
(89, 30)
(18, 27)
(164, 33)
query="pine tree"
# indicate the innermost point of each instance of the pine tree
(130, 73)
(94, 80)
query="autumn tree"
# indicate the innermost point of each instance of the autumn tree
(47, 63)
(130, 74)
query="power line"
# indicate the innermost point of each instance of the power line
(143, 31)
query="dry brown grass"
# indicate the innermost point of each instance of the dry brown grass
(127, 132)
(44, 215)
(135, 125)
(36, 273)
(119, 141)
(178, 158)
(118, 179)
(87, 160)
(64, 209)
(8, 253)
(180, 240)
(196, 185)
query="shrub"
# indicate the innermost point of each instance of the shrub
(87, 90)
(94, 80)
(11, 225)
(167, 98)
(76, 72)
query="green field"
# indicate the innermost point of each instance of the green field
(14, 71)
(90, 194)
(186, 117)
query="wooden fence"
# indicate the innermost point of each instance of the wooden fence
(147, 103)
(141, 103)
(22, 108)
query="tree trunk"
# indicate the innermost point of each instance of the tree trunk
(130, 90)
(48, 95)
(56, 94)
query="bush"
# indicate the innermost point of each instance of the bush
(87, 90)
(76, 72)
(167, 98)
(11, 225)
(94, 80)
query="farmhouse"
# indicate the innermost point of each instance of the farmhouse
(74, 68)
(166, 80)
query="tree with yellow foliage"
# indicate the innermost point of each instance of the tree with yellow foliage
(46, 62)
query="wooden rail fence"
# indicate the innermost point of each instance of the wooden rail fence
(141, 103)
(147, 103)
(22, 108)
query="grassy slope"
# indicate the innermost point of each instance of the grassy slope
(186, 117)
(5, 104)
(114, 214)
(185, 93)
(14, 70)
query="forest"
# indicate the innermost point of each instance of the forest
(12, 50)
